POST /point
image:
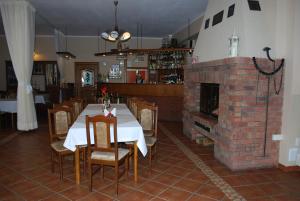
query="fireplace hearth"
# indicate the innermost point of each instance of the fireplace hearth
(209, 99)
(238, 132)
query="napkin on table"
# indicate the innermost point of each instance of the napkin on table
(113, 112)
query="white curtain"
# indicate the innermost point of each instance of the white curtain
(19, 24)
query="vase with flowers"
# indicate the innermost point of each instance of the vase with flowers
(105, 97)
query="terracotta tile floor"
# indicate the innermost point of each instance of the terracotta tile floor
(25, 175)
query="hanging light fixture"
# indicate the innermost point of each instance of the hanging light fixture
(115, 35)
(66, 54)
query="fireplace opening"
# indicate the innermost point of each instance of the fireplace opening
(209, 99)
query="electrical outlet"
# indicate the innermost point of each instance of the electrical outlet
(277, 137)
(293, 154)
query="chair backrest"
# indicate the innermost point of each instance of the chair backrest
(101, 126)
(71, 113)
(75, 107)
(147, 116)
(79, 102)
(132, 105)
(58, 122)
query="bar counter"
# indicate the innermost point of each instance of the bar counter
(169, 98)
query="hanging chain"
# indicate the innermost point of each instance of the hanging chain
(277, 91)
(257, 82)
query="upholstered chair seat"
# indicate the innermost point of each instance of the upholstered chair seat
(148, 133)
(109, 156)
(59, 146)
(150, 141)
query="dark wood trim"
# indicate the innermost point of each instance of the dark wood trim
(289, 168)
(156, 90)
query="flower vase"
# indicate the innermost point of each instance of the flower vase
(106, 104)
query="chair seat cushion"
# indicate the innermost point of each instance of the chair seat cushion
(62, 137)
(150, 141)
(148, 133)
(109, 156)
(59, 146)
(130, 143)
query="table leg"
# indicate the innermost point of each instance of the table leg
(135, 162)
(77, 165)
(12, 121)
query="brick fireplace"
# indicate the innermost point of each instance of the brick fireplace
(238, 133)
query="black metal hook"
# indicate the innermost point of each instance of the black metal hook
(267, 50)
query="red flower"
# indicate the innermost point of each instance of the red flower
(103, 90)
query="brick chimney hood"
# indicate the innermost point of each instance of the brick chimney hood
(253, 21)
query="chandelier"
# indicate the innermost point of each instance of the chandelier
(116, 35)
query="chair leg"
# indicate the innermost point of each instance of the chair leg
(126, 166)
(84, 160)
(117, 178)
(102, 171)
(52, 161)
(60, 166)
(150, 159)
(90, 176)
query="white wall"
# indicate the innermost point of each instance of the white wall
(83, 47)
(182, 34)
(255, 30)
(288, 47)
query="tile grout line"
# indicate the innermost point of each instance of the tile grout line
(9, 138)
(216, 179)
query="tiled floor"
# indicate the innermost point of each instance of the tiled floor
(25, 175)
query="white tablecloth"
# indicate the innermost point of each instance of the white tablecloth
(8, 105)
(39, 99)
(128, 128)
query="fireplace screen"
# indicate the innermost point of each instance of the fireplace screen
(209, 99)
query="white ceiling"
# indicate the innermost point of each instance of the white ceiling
(87, 17)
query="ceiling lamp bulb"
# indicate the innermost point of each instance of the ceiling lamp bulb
(114, 34)
(111, 38)
(105, 35)
(125, 36)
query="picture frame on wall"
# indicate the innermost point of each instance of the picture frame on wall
(132, 75)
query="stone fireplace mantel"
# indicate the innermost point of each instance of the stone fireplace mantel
(238, 133)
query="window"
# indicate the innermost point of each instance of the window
(231, 10)
(218, 18)
(206, 23)
(254, 5)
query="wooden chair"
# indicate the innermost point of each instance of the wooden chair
(132, 104)
(58, 127)
(104, 153)
(79, 103)
(147, 116)
(71, 115)
(75, 107)
(139, 104)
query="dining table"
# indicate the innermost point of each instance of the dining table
(9, 106)
(128, 130)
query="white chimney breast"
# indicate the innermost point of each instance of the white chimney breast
(255, 29)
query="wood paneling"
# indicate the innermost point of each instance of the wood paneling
(169, 98)
(175, 90)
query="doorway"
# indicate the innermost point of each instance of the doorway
(86, 74)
